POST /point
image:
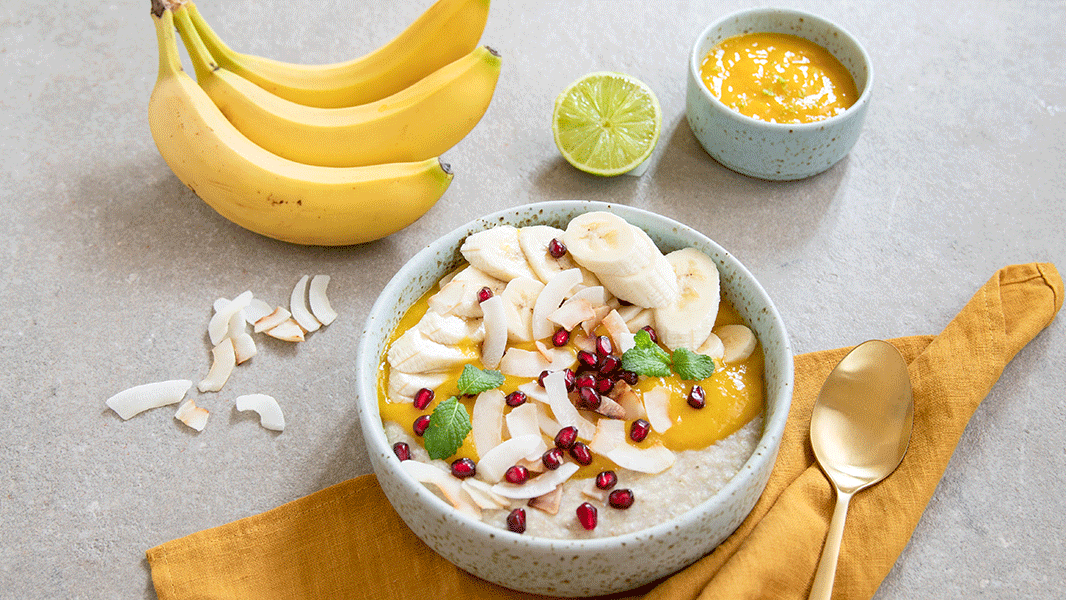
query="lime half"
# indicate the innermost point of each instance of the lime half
(606, 123)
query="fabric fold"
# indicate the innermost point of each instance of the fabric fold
(347, 542)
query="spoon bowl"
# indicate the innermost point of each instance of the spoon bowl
(860, 429)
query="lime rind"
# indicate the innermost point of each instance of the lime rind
(606, 123)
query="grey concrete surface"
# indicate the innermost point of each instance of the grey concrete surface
(110, 265)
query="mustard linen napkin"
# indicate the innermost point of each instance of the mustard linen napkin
(346, 542)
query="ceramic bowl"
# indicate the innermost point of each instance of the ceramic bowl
(573, 567)
(776, 151)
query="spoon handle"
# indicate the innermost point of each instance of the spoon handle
(822, 588)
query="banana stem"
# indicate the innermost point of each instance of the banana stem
(202, 60)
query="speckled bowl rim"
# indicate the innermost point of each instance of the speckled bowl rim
(393, 302)
(695, 57)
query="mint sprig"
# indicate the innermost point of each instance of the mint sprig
(448, 427)
(474, 380)
(649, 359)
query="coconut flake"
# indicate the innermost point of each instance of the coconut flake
(548, 425)
(486, 421)
(481, 493)
(243, 347)
(494, 463)
(495, 323)
(564, 411)
(523, 363)
(628, 400)
(619, 331)
(590, 491)
(135, 400)
(224, 358)
(537, 486)
(192, 415)
(270, 415)
(256, 309)
(550, 298)
(320, 306)
(522, 420)
(298, 306)
(219, 323)
(655, 458)
(449, 486)
(271, 320)
(590, 325)
(549, 502)
(656, 405)
(288, 330)
(572, 313)
(609, 433)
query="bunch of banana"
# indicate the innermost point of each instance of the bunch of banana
(254, 139)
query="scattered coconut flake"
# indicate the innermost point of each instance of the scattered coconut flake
(494, 463)
(628, 400)
(550, 298)
(403, 386)
(584, 340)
(543, 350)
(534, 392)
(243, 347)
(534, 466)
(270, 415)
(224, 358)
(298, 306)
(522, 420)
(655, 458)
(549, 502)
(564, 411)
(128, 403)
(572, 313)
(610, 409)
(590, 325)
(495, 331)
(596, 295)
(220, 304)
(481, 493)
(656, 405)
(192, 415)
(271, 320)
(548, 425)
(486, 421)
(537, 486)
(219, 323)
(256, 309)
(609, 433)
(320, 306)
(523, 363)
(288, 330)
(592, 492)
(619, 331)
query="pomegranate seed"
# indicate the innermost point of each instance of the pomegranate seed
(561, 338)
(697, 398)
(566, 438)
(484, 294)
(402, 451)
(422, 398)
(516, 520)
(620, 498)
(420, 425)
(604, 385)
(629, 377)
(516, 398)
(556, 248)
(585, 380)
(553, 458)
(540, 379)
(639, 430)
(463, 468)
(587, 360)
(609, 365)
(651, 333)
(586, 514)
(581, 454)
(516, 474)
(603, 345)
(589, 398)
(571, 379)
(606, 480)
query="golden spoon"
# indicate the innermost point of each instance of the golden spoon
(860, 428)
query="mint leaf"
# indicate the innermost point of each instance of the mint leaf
(474, 380)
(691, 366)
(448, 426)
(646, 358)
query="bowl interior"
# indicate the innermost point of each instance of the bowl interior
(826, 34)
(434, 261)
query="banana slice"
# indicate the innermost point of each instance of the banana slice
(712, 347)
(739, 342)
(687, 321)
(404, 386)
(413, 352)
(521, 296)
(607, 245)
(451, 330)
(654, 287)
(497, 252)
(534, 241)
